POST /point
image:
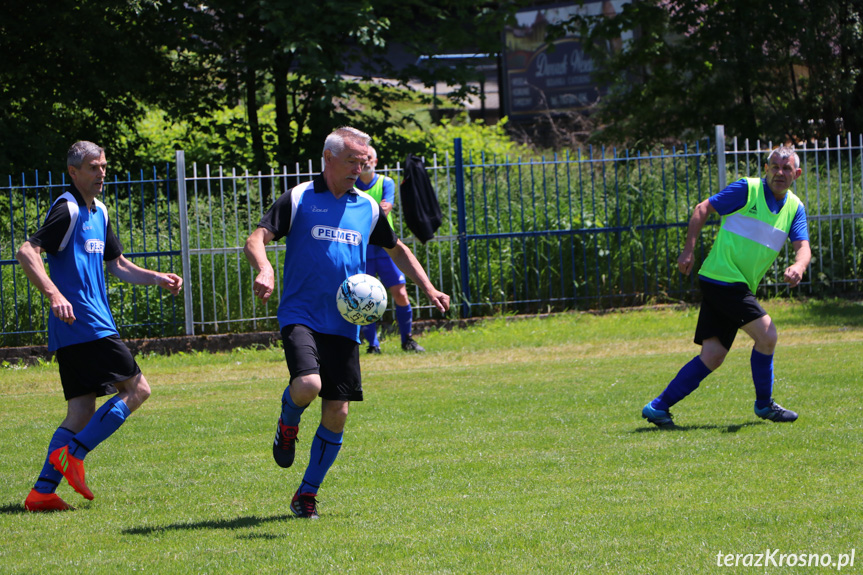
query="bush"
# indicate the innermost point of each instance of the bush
(477, 137)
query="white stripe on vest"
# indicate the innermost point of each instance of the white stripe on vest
(759, 232)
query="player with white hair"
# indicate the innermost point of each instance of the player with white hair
(758, 215)
(327, 224)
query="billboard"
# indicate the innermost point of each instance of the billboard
(539, 80)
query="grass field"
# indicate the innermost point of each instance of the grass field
(510, 447)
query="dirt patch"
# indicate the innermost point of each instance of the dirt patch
(211, 343)
(161, 346)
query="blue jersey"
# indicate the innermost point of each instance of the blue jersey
(388, 195)
(735, 195)
(325, 241)
(78, 241)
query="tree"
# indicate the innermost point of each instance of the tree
(86, 69)
(81, 69)
(771, 70)
(322, 63)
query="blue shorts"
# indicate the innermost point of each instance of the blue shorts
(384, 267)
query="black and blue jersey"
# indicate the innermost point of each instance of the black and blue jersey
(78, 241)
(326, 240)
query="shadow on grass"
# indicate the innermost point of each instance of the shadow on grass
(676, 428)
(828, 312)
(236, 523)
(13, 508)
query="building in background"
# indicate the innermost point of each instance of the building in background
(539, 77)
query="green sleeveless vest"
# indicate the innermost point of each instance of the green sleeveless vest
(750, 239)
(377, 192)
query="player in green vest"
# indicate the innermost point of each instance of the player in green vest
(758, 215)
(378, 263)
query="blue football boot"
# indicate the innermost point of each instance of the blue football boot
(657, 417)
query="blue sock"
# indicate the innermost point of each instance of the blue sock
(325, 448)
(50, 478)
(106, 421)
(370, 334)
(762, 377)
(291, 412)
(405, 319)
(687, 380)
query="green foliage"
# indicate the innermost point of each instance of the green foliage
(683, 67)
(607, 479)
(109, 66)
(580, 231)
(82, 70)
(222, 216)
(687, 65)
(477, 137)
(221, 139)
(305, 62)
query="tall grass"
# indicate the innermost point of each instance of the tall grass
(591, 229)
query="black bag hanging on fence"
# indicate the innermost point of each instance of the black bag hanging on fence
(419, 202)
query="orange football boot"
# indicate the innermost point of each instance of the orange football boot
(45, 502)
(72, 469)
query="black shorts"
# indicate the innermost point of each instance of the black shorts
(724, 310)
(95, 366)
(335, 358)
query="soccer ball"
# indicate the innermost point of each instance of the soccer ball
(362, 299)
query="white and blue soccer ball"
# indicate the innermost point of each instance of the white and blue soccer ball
(362, 299)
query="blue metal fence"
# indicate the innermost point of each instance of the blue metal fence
(591, 228)
(597, 228)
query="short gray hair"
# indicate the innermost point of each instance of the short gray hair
(335, 142)
(785, 152)
(80, 151)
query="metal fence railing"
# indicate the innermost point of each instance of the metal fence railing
(589, 228)
(143, 212)
(831, 188)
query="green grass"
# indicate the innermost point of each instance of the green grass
(510, 447)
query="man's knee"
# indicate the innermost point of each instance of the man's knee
(134, 391)
(305, 388)
(79, 410)
(767, 345)
(400, 295)
(143, 389)
(334, 415)
(763, 333)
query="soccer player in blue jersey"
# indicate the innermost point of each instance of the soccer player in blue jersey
(327, 224)
(80, 244)
(758, 215)
(379, 263)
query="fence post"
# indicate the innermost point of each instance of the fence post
(462, 228)
(184, 242)
(720, 155)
